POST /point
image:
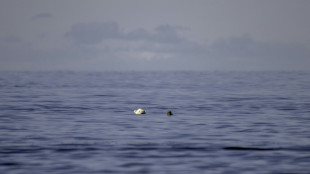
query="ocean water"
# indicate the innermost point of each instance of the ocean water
(223, 122)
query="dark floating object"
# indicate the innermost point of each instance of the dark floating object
(169, 113)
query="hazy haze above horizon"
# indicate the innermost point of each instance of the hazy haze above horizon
(103, 35)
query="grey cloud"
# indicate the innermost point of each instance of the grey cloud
(163, 34)
(42, 15)
(242, 52)
(236, 46)
(138, 34)
(165, 41)
(93, 33)
(164, 48)
(167, 34)
(246, 47)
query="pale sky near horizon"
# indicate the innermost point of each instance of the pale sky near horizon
(104, 35)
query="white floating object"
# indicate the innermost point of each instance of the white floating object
(140, 111)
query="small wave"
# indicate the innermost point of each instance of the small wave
(20, 150)
(75, 149)
(249, 148)
(9, 164)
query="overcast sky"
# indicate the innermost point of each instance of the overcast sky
(105, 35)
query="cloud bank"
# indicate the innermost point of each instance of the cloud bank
(107, 46)
(165, 45)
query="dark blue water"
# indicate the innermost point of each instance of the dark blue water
(223, 122)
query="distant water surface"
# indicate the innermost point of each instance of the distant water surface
(223, 122)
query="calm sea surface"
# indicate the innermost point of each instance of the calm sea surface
(223, 122)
